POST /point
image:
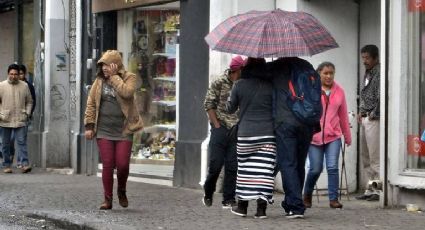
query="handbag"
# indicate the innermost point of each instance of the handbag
(232, 134)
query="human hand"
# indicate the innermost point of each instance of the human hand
(217, 125)
(113, 69)
(89, 134)
(359, 118)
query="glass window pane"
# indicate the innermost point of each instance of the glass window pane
(416, 87)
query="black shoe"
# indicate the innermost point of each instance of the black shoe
(363, 197)
(207, 201)
(285, 208)
(292, 215)
(261, 209)
(228, 204)
(241, 209)
(373, 197)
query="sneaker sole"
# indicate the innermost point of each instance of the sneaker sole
(260, 217)
(237, 213)
(227, 207)
(295, 217)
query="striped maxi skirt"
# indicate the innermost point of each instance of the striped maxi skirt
(256, 164)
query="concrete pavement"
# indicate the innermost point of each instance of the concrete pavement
(74, 200)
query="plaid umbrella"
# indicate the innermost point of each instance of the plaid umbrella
(274, 33)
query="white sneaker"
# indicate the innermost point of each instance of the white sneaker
(292, 215)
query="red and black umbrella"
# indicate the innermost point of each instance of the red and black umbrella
(274, 33)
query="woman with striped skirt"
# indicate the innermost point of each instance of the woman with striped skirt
(256, 144)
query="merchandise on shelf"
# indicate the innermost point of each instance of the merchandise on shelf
(153, 59)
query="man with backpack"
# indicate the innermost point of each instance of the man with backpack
(297, 110)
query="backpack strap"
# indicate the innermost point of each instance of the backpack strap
(292, 89)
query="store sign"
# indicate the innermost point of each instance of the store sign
(110, 5)
(416, 5)
(415, 146)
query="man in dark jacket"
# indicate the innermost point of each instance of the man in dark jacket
(293, 138)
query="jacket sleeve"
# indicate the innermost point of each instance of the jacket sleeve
(28, 102)
(90, 114)
(344, 120)
(213, 96)
(233, 104)
(125, 89)
(32, 90)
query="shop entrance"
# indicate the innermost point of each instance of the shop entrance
(147, 38)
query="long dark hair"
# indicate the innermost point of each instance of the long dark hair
(255, 68)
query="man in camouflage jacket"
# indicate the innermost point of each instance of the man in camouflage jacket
(221, 148)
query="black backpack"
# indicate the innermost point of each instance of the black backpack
(305, 91)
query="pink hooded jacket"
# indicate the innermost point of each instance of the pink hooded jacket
(336, 115)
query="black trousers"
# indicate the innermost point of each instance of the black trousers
(221, 151)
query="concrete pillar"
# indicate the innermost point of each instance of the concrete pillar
(56, 135)
(192, 84)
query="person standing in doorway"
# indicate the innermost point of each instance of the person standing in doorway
(15, 110)
(221, 148)
(327, 143)
(112, 117)
(368, 117)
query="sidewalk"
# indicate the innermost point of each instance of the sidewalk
(76, 198)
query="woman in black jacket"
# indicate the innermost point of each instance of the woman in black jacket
(256, 144)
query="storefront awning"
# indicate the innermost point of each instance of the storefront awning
(109, 5)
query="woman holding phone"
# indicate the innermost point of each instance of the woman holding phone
(111, 117)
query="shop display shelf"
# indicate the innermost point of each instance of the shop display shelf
(168, 55)
(173, 79)
(165, 103)
(159, 128)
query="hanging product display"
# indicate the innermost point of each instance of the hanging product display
(153, 59)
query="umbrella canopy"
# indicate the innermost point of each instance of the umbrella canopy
(274, 33)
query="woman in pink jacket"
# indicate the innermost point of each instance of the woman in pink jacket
(327, 143)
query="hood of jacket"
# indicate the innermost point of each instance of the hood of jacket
(111, 56)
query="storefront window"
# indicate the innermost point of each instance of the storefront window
(150, 53)
(416, 85)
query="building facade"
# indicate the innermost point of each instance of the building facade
(162, 42)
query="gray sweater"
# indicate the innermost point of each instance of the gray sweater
(257, 119)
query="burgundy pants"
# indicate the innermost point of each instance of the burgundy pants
(114, 154)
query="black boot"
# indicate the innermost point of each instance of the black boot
(241, 209)
(261, 209)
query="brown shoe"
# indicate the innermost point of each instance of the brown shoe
(335, 204)
(107, 204)
(7, 170)
(307, 201)
(122, 198)
(26, 169)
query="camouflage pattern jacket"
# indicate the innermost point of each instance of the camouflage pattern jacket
(216, 98)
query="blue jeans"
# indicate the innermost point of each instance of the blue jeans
(316, 153)
(293, 142)
(21, 141)
(221, 151)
